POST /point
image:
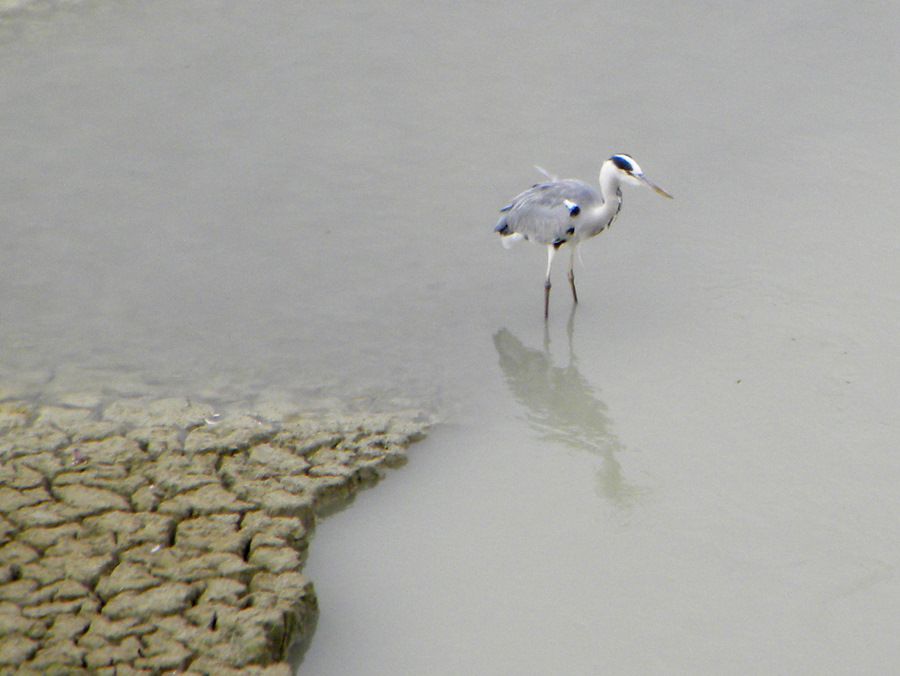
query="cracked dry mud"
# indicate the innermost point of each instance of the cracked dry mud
(143, 536)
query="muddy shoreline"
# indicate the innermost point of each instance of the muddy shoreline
(141, 535)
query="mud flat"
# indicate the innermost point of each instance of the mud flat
(144, 535)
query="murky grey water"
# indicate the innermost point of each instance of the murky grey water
(694, 473)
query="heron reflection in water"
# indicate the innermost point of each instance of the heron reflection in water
(562, 406)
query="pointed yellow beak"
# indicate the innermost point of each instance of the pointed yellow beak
(656, 188)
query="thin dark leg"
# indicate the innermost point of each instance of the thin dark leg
(572, 273)
(572, 284)
(551, 252)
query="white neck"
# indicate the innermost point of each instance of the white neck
(603, 214)
(609, 182)
(610, 207)
(610, 188)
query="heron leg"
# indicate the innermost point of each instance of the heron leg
(572, 274)
(551, 252)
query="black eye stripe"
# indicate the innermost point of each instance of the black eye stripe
(622, 163)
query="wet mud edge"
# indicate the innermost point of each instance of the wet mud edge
(150, 535)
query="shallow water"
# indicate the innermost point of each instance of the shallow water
(695, 472)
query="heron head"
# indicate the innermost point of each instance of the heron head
(628, 171)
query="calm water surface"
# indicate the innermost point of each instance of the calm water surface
(695, 472)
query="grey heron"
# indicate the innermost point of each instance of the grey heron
(566, 212)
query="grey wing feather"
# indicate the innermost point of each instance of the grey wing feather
(544, 212)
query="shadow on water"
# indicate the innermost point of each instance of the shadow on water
(562, 406)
